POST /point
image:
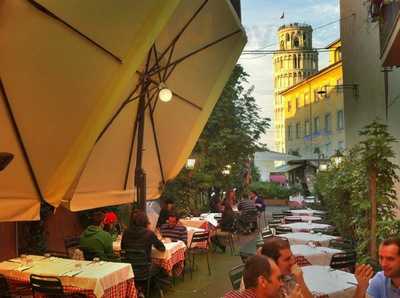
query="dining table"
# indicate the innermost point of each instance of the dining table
(303, 238)
(323, 281)
(91, 278)
(306, 226)
(304, 254)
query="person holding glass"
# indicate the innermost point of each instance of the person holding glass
(278, 249)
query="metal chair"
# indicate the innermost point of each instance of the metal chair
(48, 286)
(342, 244)
(235, 276)
(282, 230)
(278, 215)
(141, 266)
(345, 261)
(203, 249)
(266, 233)
(4, 288)
(292, 219)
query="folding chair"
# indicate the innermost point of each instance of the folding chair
(345, 261)
(282, 230)
(193, 250)
(235, 276)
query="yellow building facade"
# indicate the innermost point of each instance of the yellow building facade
(314, 115)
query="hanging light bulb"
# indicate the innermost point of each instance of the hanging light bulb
(164, 94)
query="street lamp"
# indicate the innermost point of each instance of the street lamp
(164, 94)
(337, 158)
(227, 170)
(190, 163)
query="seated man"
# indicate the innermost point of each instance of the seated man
(278, 249)
(385, 283)
(97, 243)
(173, 229)
(262, 279)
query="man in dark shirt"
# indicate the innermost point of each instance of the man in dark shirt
(173, 229)
(167, 208)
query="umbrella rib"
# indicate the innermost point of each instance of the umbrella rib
(176, 38)
(124, 103)
(179, 60)
(156, 141)
(20, 141)
(54, 16)
(188, 101)
(157, 61)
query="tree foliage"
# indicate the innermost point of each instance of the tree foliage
(230, 137)
(344, 189)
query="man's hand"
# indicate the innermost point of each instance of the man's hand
(364, 273)
(295, 293)
(297, 272)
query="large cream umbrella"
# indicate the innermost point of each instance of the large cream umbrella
(193, 57)
(64, 67)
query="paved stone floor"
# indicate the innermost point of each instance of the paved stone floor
(204, 286)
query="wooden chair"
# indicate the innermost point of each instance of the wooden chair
(194, 249)
(345, 261)
(235, 276)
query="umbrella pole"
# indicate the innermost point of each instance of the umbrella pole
(140, 175)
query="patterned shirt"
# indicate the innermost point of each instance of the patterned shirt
(176, 233)
(249, 293)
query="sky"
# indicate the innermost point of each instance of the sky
(261, 19)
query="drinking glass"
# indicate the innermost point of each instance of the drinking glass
(23, 258)
(96, 259)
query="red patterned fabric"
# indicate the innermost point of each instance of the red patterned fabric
(241, 294)
(124, 289)
(302, 261)
(177, 259)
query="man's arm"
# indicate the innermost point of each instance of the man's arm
(298, 274)
(363, 274)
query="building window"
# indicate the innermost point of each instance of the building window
(289, 105)
(328, 149)
(316, 124)
(307, 128)
(328, 124)
(298, 127)
(340, 120)
(296, 42)
(289, 129)
(297, 102)
(340, 146)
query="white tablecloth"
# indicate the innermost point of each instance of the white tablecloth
(195, 222)
(306, 212)
(314, 255)
(305, 226)
(304, 238)
(305, 218)
(324, 280)
(92, 276)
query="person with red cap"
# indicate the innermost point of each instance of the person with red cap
(110, 224)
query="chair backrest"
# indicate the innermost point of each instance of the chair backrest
(235, 275)
(49, 285)
(266, 233)
(344, 260)
(287, 212)
(139, 262)
(282, 230)
(274, 222)
(200, 237)
(4, 288)
(292, 220)
(70, 244)
(278, 215)
(342, 244)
